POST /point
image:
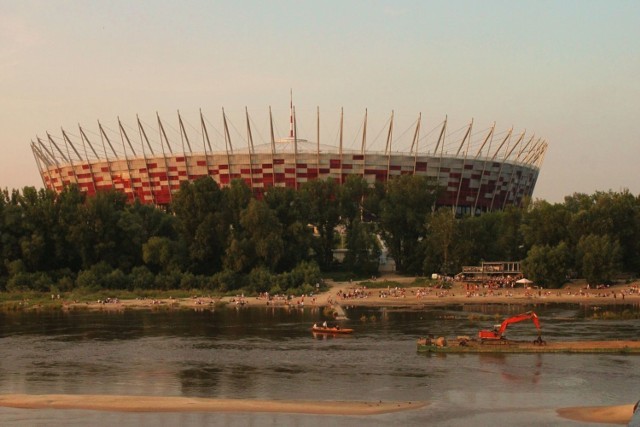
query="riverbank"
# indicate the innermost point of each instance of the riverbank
(464, 293)
(398, 292)
(389, 291)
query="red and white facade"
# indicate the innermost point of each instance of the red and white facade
(471, 179)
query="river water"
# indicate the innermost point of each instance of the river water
(270, 353)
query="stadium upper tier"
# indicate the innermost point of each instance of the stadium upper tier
(475, 170)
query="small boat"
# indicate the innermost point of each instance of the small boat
(330, 330)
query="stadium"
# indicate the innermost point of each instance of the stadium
(475, 170)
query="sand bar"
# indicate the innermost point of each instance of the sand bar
(599, 414)
(115, 403)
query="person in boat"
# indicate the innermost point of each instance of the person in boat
(315, 325)
(324, 324)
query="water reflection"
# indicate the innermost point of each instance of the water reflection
(271, 353)
(200, 381)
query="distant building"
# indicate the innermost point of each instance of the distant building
(489, 271)
(476, 172)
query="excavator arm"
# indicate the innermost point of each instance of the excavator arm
(519, 318)
(497, 334)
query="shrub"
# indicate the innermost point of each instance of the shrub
(88, 281)
(189, 281)
(226, 281)
(141, 278)
(64, 284)
(39, 282)
(116, 279)
(259, 280)
(170, 280)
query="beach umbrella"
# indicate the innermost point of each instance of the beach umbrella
(524, 281)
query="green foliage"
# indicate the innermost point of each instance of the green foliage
(168, 280)
(616, 215)
(260, 280)
(441, 233)
(363, 249)
(39, 282)
(201, 224)
(321, 199)
(64, 284)
(423, 282)
(403, 212)
(296, 234)
(352, 195)
(548, 266)
(115, 279)
(142, 278)
(598, 258)
(227, 281)
(88, 281)
(190, 281)
(256, 241)
(545, 224)
(159, 253)
(383, 284)
(224, 240)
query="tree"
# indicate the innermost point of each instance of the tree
(441, 231)
(352, 195)
(236, 198)
(508, 239)
(363, 254)
(201, 224)
(469, 246)
(129, 240)
(38, 221)
(293, 215)
(258, 242)
(321, 199)
(97, 235)
(160, 254)
(70, 202)
(403, 210)
(618, 214)
(548, 265)
(598, 258)
(546, 224)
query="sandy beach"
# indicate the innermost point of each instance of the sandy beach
(192, 404)
(355, 294)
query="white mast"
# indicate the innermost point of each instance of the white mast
(291, 113)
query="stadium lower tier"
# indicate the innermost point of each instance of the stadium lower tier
(470, 185)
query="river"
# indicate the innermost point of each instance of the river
(270, 353)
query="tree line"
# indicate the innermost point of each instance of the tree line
(225, 239)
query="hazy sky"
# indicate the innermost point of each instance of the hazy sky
(567, 70)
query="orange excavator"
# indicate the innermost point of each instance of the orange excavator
(497, 333)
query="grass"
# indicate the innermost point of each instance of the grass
(418, 282)
(383, 284)
(17, 301)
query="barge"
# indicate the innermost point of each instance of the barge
(465, 345)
